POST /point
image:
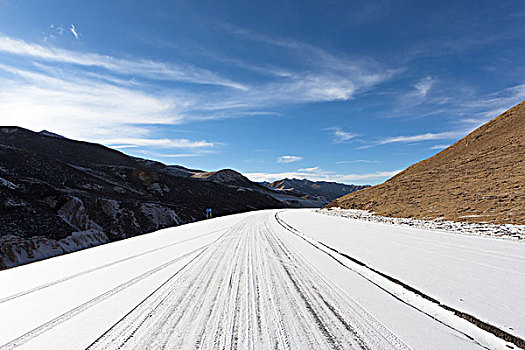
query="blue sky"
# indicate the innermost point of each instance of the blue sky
(349, 91)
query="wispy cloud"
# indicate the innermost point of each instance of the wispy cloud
(490, 106)
(140, 67)
(417, 95)
(288, 159)
(339, 135)
(100, 89)
(159, 143)
(422, 137)
(319, 175)
(159, 155)
(319, 75)
(97, 98)
(357, 161)
(463, 109)
(51, 33)
(440, 147)
(446, 135)
(87, 109)
(423, 86)
(57, 28)
(308, 170)
(73, 31)
(108, 96)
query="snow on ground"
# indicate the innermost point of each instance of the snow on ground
(45, 293)
(250, 291)
(243, 281)
(482, 276)
(507, 231)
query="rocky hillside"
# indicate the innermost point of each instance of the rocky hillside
(317, 190)
(58, 195)
(479, 178)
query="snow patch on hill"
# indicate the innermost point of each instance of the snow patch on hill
(15, 250)
(506, 231)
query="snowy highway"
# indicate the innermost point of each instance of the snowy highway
(246, 281)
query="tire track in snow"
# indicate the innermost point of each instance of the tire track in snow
(157, 304)
(250, 290)
(87, 305)
(482, 325)
(359, 324)
(98, 268)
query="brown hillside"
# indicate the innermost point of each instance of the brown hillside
(479, 178)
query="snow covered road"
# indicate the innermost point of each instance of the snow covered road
(249, 291)
(482, 276)
(238, 282)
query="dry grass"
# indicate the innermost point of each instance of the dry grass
(479, 178)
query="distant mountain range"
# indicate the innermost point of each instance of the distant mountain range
(59, 195)
(315, 190)
(479, 178)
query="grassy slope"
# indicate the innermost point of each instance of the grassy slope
(479, 178)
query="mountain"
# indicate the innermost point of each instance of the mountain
(318, 190)
(51, 134)
(479, 178)
(226, 177)
(59, 195)
(289, 198)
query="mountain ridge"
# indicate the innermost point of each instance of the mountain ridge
(59, 195)
(321, 190)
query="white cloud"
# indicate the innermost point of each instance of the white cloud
(160, 156)
(308, 170)
(343, 135)
(339, 135)
(288, 159)
(73, 31)
(423, 86)
(86, 109)
(313, 88)
(472, 111)
(77, 87)
(321, 176)
(494, 104)
(422, 137)
(160, 143)
(52, 32)
(140, 67)
(440, 147)
(416, 96)
(318, 75)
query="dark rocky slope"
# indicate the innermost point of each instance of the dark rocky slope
(59, 195)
